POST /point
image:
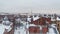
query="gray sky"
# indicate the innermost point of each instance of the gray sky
(37, 6)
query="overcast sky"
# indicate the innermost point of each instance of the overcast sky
(39, 6)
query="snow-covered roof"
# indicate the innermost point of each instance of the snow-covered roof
(51, 31)
(29, 19)
(58, 18)
(53, 25)
(8, 28)
(6, 22)
(1, 29)
(53, 19)
(5, 18)
(35, 18)
(32, 25)
(18, 20)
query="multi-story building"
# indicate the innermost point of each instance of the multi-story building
(34, 24)
(58, 23)
(41, 25)
(6, 25)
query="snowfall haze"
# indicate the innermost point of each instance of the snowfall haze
(26, 6)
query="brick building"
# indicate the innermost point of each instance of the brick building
(42, 25)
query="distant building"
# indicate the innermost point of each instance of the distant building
(8, 26)
(58, 24)
(41, 25)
